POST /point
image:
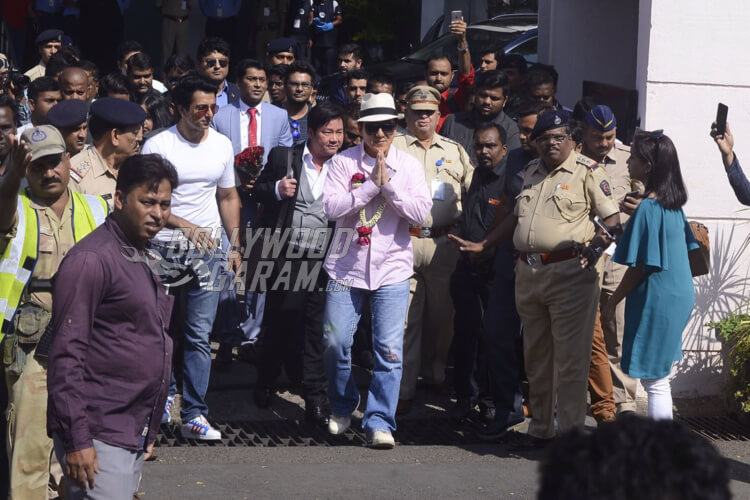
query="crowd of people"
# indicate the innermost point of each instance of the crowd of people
(307, 218)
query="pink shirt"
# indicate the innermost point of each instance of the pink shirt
(389, 257)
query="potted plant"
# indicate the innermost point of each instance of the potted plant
(734, 332)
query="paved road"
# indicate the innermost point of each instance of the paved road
(480, 471)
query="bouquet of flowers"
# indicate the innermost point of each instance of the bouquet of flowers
(249, 163)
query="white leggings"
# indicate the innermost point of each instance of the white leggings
(659, 398)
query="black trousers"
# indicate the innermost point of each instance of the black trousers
(324, 59)
(293, 333)
(224, 28)
(470, 290)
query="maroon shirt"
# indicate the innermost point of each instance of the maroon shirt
(110, 360)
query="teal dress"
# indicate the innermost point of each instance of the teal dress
(658, 308)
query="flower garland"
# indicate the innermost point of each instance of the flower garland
(365, 228)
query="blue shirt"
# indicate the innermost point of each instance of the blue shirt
(219, 9)
(48, 6)
(222, 98)
(739, 182)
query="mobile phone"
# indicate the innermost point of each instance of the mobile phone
(603, 227)
(457, 15)
(633, 194)
(721, 119)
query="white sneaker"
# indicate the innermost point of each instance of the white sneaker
(382, 440)
(199, 428)
(339, 425)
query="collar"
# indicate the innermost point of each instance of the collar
(66, 212)
(306, 154)
(610, 157)
(390, 158)
(244, 107)
(566, 165)
(224, 89)
(499, 169)
(413, 139)
(99, 164)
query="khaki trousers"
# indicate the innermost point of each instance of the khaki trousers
(429, 319)
(557, 304)
(623, 386)
(29, 448)
(600, 376)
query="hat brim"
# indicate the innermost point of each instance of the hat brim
(424, 107)
(378, 118)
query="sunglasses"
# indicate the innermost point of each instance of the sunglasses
(202, 110)
(213, 62)
(295, 129)
(387, 127)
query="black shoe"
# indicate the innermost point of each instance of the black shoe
(518, 441)
(486, 413)
(498, 428)
(316, 414)
(248, 353)
(223, 361)
(262, 397)
(463, 408)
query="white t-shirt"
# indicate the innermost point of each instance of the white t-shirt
(201, 168)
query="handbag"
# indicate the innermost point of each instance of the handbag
(700, 258)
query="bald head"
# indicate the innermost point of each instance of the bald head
(74, 84)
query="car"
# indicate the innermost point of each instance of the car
(516, 33)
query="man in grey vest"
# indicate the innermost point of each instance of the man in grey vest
(290, 188)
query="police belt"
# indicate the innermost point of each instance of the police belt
(548, 257)
(37, 285)
(429, 232)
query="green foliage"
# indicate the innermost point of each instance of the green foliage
(735, 330)
(372, 20)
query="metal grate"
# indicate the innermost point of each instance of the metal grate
(719, 428)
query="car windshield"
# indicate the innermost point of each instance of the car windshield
(477, 35)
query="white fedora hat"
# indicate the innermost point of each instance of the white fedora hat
(377, 108)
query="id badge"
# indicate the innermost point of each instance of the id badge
(438, 190)
(297, 24)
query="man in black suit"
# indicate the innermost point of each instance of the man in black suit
(290, 188)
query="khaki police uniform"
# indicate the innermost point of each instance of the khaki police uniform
(556, 299)
(29, 447)
(448, 172)
(90, 174)
(37, 71)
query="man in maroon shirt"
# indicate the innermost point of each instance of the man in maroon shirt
(110, 358)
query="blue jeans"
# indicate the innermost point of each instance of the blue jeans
(342, 313)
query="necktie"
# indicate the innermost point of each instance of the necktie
(252, 129)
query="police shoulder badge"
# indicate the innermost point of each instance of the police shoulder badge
(604, 186)
(38, 135)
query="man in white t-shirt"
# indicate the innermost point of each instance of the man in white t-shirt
(203, 202)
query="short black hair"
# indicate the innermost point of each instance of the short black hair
(213, 44)
(529, 108)
(576, 131)
(114, 83)
(70, 53)
(665, 180)
(127, 47)
(278, 70)
(324, 113)
(182, 94)
(582, 108)
(351, 48)
(380, 78)
(243, 65)
(42, 84)
(495, 50)
(301, 67)
(140, 61)
(404, 87)
(515, 61)
(149, 169)
(88, 67)
(492, 80)
(541, 74)
(158, 110)
(501, 133)
(7, 101)
(179, 62)
(56, 64)
(437, 57)
(353, 110)
(357, 74)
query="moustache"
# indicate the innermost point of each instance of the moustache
(51, 180)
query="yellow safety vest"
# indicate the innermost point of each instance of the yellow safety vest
(18, 261)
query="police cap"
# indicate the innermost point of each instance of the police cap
(44, 140)
(68, 114)
(49, 36)
(423, 97)
(118, 112)
(280, 45)
(601, 118)
(550, 120)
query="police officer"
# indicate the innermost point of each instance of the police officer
(557, 285)
(600, 130)
(448, 172)
(298, 25)
(48, 42)
(326, 16)
(117, 129)
(38, 226)
(71, 119)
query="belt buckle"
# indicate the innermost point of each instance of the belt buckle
(533, 258)
(425, 232)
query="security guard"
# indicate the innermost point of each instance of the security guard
(448, 172)
(116, 126)
(38, 226)
(600, 130)
(298, 25)
(48, 42)
(70, 117)
(556, 294)
(325, 17)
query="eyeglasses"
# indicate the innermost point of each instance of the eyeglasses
(304, 85)
(549, 139)
(213, 62)
(295, 129)
(387, 127)
(202, 110)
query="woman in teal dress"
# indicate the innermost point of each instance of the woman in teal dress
(658, 283)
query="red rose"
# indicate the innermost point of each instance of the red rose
(364, 231)
(358, 178)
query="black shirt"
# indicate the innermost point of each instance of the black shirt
(298, 17)
(460, 127)
(325, 11)
(486, 194)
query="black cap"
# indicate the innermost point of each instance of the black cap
(280, 45)
(68, 114)
(550, 120)
(118, 112)
(49, 36)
